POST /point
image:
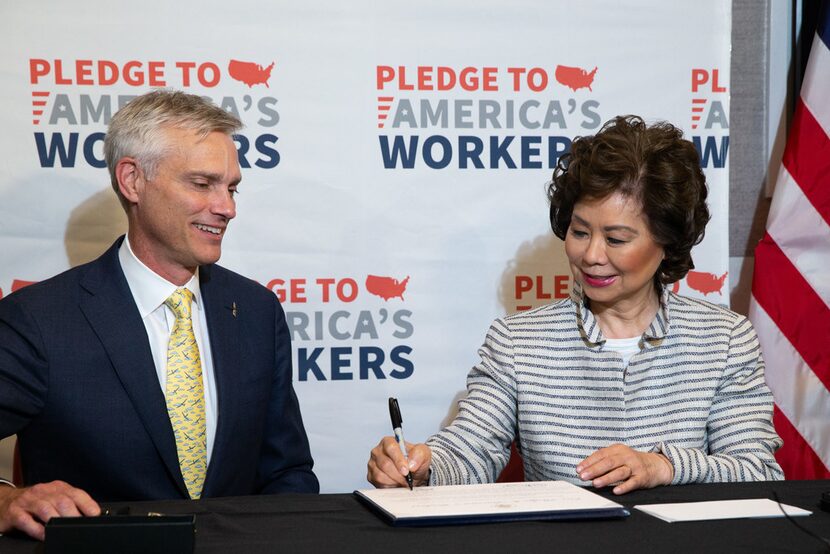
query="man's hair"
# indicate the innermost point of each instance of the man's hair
(137, 129)
(651, 164)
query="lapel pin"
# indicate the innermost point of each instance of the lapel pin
(234, 311)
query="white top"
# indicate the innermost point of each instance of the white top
(149, 292)
(626, 347)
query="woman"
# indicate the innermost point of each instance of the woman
(625, 382)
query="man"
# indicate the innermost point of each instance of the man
(150, 372)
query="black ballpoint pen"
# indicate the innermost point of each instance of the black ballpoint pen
(395, 414)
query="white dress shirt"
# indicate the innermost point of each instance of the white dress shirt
(149, 292)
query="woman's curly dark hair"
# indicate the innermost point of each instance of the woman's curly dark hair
(652, 164)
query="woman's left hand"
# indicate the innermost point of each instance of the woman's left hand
(625, 467)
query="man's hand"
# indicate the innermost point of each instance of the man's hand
(387, 466)
(28, 509)
(626, 467)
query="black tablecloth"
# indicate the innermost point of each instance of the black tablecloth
(341, 523)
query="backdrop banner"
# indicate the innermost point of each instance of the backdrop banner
(394, 161)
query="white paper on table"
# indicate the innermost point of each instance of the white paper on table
(720, 509)
(495, 498)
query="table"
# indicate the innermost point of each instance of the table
(341, 523)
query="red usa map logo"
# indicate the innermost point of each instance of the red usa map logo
(703, 282)
(250, 73)
(386, 287)
(575, 78)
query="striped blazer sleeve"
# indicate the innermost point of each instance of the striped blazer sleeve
(476, 446)
(741, 437)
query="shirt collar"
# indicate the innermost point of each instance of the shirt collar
(149, 289)
(589, 326)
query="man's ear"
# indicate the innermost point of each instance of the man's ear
(130, 179)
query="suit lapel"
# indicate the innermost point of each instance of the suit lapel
(113, 315)
(223, 329)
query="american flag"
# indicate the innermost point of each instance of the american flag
(790, 305)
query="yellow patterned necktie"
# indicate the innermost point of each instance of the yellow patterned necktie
(185, 394)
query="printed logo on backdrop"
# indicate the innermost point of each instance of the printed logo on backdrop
(360, 333)
(534, 290)
(709, 114)
(369, 320)
(703, 282)
(73, 101)
(482, 117)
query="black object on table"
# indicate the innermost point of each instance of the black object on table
(124, 534)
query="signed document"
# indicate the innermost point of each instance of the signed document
(456, 504)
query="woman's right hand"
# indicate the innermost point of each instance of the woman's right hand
(388, 467)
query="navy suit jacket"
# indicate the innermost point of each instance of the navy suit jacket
(78, 386)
